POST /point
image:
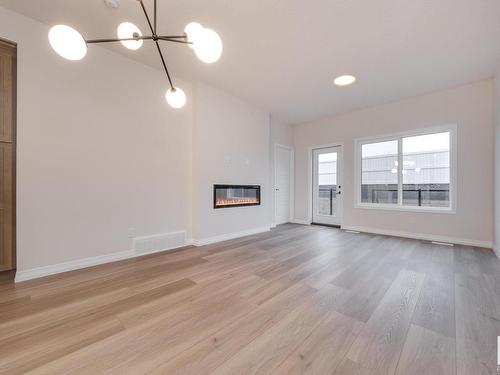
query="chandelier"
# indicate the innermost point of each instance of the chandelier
(206, 44)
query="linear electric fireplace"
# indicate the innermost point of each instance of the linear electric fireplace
(236, 195)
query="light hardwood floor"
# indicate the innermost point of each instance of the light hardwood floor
(296, 300)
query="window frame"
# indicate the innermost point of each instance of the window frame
(452, 129)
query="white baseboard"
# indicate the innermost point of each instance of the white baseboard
(35, 273)
(496, 250)
(53, 269)
(420, 236)
(230, 236)
(300, 221)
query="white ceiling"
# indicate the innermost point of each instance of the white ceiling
(282, 55)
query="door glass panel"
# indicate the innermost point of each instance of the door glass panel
(327, 184)
(426, 170)
(379, 172)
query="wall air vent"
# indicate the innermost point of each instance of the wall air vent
(159, 242)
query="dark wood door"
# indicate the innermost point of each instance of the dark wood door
(7, 155)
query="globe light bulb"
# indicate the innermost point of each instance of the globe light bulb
(67, 42)
(193, 31)
(208, 46)
(176, 98)
(127, 30)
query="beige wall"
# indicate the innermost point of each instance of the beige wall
(99, 151)
(103, 158)
(281, 132)
(231, 146)
(470, 107)
(497, 161)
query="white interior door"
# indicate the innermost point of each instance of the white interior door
(283, 167)
(327, 185)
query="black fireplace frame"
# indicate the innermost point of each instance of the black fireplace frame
(255, 187)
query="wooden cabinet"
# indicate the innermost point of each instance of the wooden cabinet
(7, 91)
(7, 155)
(6, 207)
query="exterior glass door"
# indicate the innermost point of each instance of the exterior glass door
(327, 185)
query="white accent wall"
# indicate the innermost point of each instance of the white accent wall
(470, 107)
(231, 146)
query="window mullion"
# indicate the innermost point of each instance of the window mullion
(400, 171)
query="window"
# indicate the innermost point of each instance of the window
(379, 178)
(327, 183)
(409, 171)
(327, 169)
(426, 170)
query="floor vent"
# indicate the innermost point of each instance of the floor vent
(159, 242)
(351, 231)
(442, 243)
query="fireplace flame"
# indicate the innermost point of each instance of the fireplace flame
(234, 201)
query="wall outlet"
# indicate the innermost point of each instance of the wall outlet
(131, 232)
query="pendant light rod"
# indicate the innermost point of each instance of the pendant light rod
(168, 38)
(173, 36)
(155, 38)
(164, 66)
(153, 31)
(94, 41)
(155, 17)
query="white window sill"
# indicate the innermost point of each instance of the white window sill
(391, 207)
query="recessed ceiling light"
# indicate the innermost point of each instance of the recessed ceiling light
(344, 80)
